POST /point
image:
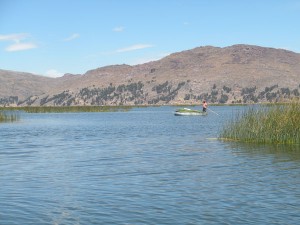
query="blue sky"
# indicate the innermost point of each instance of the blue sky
(53, 37)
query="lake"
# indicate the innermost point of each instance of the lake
(144, 166)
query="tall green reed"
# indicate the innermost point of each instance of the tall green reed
(276, 124)
(9, 116)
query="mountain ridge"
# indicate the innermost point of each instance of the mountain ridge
(220, 75)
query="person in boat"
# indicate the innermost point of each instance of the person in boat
(204, 106)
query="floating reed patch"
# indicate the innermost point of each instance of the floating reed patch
(276, 124)
(9, 116)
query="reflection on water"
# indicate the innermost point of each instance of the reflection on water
(145, 166)
(286, 152)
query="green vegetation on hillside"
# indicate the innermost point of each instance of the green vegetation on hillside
(165, 92)
(276, 124)
(138, 93)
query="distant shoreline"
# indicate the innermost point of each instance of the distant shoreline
(111, 108)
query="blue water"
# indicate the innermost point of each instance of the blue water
(145, 166)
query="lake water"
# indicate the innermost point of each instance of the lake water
(145, 166)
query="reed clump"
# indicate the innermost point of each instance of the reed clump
(8, 116)
(275, 124)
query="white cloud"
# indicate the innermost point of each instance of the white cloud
(13, 37)
(18, 40)
(72, 37)
(53, 73)
(118, 29)
(121, 50)
(134, 47)
(20, 47)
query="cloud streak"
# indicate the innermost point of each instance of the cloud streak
(134, 48)
(13, 37)
(72, 37)
(119, 29)
(121, 50)
(20, 47)
(19, 44)
(53, 73)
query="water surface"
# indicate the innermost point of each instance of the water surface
(145, 166)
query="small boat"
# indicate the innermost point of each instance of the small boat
(189, 112)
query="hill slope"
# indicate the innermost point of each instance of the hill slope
(235, 74)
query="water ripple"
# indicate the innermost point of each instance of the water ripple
(141, 167)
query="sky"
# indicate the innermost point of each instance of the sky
(54, 37)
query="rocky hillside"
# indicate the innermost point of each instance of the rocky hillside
(235, 74)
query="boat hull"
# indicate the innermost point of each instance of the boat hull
(189, 112)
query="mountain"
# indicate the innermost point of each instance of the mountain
(234, 74)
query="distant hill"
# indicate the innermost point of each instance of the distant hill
(235, 74)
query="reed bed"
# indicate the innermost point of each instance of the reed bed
(276, 124)
(70, 109)
(8, 116)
